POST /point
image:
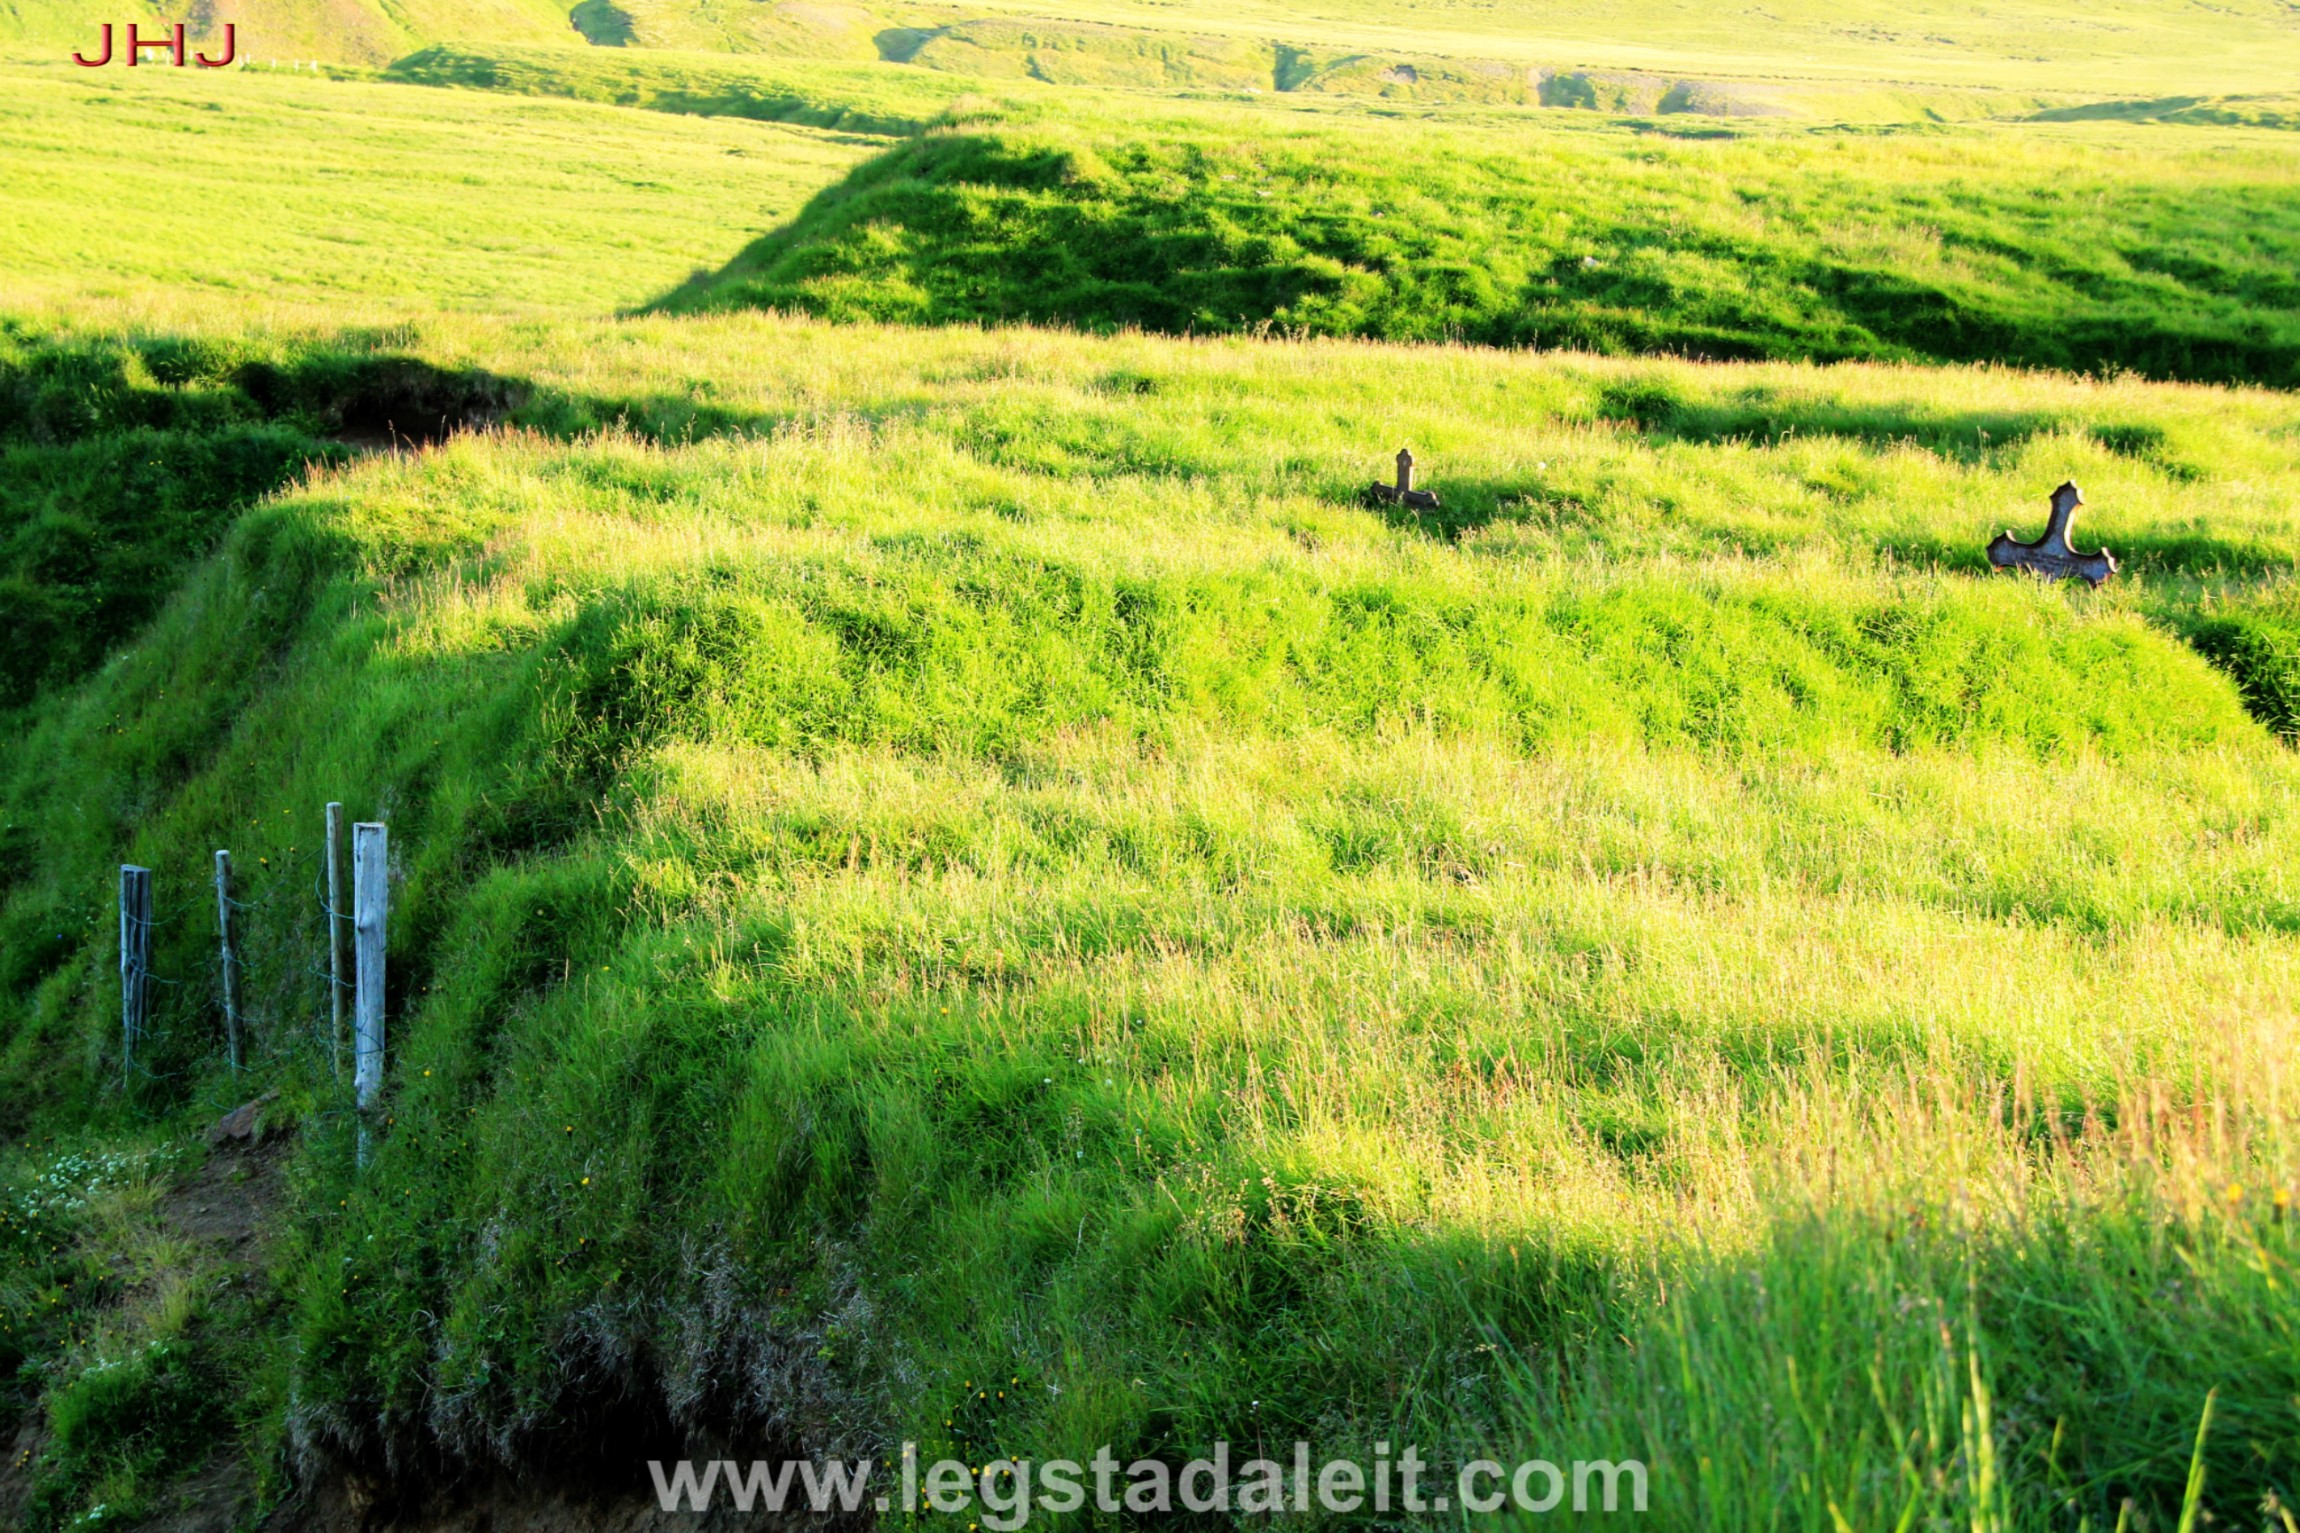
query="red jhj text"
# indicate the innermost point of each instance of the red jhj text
(172, 45)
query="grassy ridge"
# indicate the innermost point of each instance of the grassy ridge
(131, 454)
(1010, 872)
(122, 465)
(98, 534)
(2042, 251)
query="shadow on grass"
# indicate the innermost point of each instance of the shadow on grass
(1465, 505)
(2256, 640)
(122, 462)
(2118, 111)
(1764, 419)
(652, 84)
(1762, 415)
(603, 25)
(2142, 555)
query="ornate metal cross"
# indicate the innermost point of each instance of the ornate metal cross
(2052, 555)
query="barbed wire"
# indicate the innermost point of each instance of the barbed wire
(266, 957)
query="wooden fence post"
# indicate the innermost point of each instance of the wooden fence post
(335, 932)
(230, 961)
(135, 956)
(369, 906)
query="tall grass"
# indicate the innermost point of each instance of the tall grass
(931, 856)
(1009, 870)
(1992, 1322)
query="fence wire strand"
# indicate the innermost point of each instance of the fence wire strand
(264, 956)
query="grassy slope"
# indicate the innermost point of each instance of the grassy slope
(1027, 56)
(938, 855)
(2076, 246)
(1014, 874)
(115, 186)
(2042, 44)
(1036, 54)
(1840, 60)
(107, 504)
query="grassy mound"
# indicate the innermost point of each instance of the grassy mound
(2258, 644)
(121, 463)
(1006, 876)
(1952, 247)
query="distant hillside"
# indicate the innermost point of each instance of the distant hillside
(331, 31)
(2274, 109)
(1853, 62)
(2132, 48)
(856, 98)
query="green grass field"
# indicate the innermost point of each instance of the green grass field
(2140, 251)
(128, 188)
(955, 882)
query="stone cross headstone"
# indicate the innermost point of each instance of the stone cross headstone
(2053, 556)
(1403, 492)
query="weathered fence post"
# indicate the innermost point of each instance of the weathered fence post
(230, 961)
(369, 906)
(135, 956)
(335, 932)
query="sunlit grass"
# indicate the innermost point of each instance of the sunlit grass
(925, 854)
(223, 188)
(996, 862)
